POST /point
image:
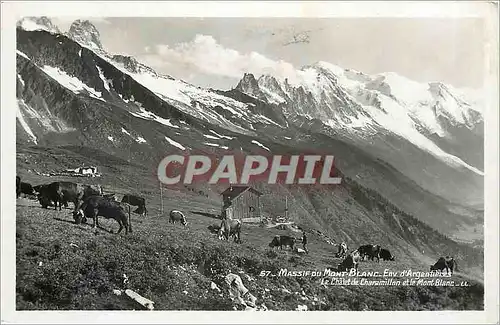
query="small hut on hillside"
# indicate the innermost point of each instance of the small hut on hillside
(83, 171)
(244, 201)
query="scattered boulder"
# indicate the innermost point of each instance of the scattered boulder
(301, 308)
(238, 292)
(286, 291)
(146, 303)
(299, 250)
(213, 286)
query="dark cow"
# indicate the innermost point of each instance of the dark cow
(342, 250)
(63, 192)
(44, 199)
(177, 216)
(350, 262)
(363, 250)
(26, 188)
(95, 206)
(282, 241)
(230, 228)
(370, 251)
(447, 263)
(60, 193)
(137, 201)
(386, 255)
(18, 186)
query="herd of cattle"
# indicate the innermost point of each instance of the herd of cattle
(90, 202)
(364, 252)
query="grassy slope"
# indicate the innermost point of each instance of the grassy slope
(174, 266)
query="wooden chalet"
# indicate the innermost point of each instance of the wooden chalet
(244, 201)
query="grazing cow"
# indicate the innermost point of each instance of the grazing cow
(137, 201)
(370, 251)
(350, 262)
(230, 228)
(282, 241)
(44, 199)
(386, 255)
(95, 206)
(18, 186)
(447, 263)
(342, 250)
(60, 193)
(364, 250)
(177, 216)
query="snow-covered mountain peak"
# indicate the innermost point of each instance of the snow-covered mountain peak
(38, 23)
(358, 103)
(85, 33)
(328, 66)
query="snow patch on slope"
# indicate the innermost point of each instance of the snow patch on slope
(126, 132)
(20, 79)
(147, 115)
(25, 125)
(105, 81)
(221, 136)
(265, 118)
(44, 118)
(140, 140)
(175, 143)
(260, 145)
(23, 55)
(211, 144)
(72, 83)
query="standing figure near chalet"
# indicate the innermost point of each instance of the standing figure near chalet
(304, 242)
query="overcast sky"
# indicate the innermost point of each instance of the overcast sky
(215, 52)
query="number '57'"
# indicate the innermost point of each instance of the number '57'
(264, 273)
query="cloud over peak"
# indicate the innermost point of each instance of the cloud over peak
(205, 55)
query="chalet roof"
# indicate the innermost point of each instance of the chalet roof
(234, 191)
